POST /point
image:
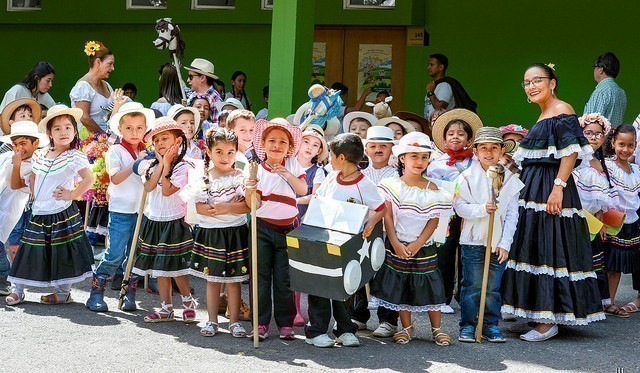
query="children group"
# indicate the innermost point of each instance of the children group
(545, 266)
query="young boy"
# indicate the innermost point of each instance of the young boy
(348, 184)
(378, 148)
(264, 113)
(125, 189)
(15, 168)
(242, 123)
(474, 202)
(18, 110)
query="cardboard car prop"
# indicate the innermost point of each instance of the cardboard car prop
(328, 256)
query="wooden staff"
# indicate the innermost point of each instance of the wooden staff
(253, 175)
(132, 251)
(182, 85)
(495, 174)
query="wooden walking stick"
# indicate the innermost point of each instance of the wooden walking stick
(495, 174)
(253, 175)
(132, 251)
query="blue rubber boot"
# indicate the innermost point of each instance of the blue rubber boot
(129, 303)
(96, 301)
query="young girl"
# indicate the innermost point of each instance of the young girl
(409, 280)
(238, 83)
(597, 196)
(358, 122)
(397, 125)
(54, 249)
(622, 252)
(165, 242)
(188, 117)
(453, 134)
(220, 252)
(279, 179)
(203, 104)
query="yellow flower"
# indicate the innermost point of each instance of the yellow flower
(244, 269)
(206, 271)
(91, 47)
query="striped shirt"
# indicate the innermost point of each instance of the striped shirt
(609, 100)
(377, 174)
(278, 198)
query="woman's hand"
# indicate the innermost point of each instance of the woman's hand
(554, 203)
(118, 100)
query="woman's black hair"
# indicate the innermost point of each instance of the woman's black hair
(75, 144)
(243, 93)
(169, 85)
(183, 151)
(404, 130)
(466, 127)
(609, 151)
(550, 73)
(213, 137)
(39, 71)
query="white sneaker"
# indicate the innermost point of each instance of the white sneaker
(385, 330)
(348, 340)
(447, 309)
(535, 336)
(361, 325)
(322, 341)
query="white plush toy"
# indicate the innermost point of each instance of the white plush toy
(382, 109)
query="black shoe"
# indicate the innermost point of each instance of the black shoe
(116, 284)
(5, 286)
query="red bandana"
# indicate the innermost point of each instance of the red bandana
(459, 155)
(129, 148)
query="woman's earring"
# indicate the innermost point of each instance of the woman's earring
(528, 100)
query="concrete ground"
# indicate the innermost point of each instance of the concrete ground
(70, 338)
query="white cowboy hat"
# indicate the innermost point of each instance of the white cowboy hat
(414, 142)
(349, 117)
(229, 102)
(202, 67)
(26, 128)
(178, 108)
(403, 123)
(56, 111)
(379, 134)
(130, 108)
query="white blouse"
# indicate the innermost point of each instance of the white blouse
(83, 91)
(52, 173)
(166, 208)
(625, 188)
(439, 170)
(593, 189)
(12, 201)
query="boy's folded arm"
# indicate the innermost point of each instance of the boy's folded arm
(510, 224)
(468, 210)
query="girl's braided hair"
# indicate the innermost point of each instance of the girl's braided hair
(183, 151)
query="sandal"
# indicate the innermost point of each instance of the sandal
(189, 313)
(403, 337)
(440, 338)
(14, 299)
(630, 308)
(164, 315)
(237, 330)
(54, 299)
(616, 311)
(210, 329)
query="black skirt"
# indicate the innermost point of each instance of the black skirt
(164, 248)
(413, 284)
(98, 219)
(221, 254)
(622, 252)
(54, 250)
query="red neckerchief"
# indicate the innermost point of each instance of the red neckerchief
(458, 155)
(129, 148)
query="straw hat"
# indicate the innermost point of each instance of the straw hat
(456, 114)
(56, 111)
(493, 135)
(162, 124)
(404, 124)
(176, 109)
(202, 67)
(379, 134)
(8, 110)
(262, 125)
(349, 117)
(26, 128)
(424, 123)
(317, 132)
(229, 102)
(130, 108)
(414, 142)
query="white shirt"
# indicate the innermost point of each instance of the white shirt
(52, 173)
(319, 177)
(377, 174)
(443, 92)
(193, 151)
(125, 197)
(166, 208)
(262, 114)
(413, 207)
(439, 170)
(12, 201)
(83, 91)
(625, 188)
(360, 190)
(593, 189)
(220, 190)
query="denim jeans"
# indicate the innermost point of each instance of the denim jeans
(472, 268)
(121, 227)
(16, 233)
(4, 261)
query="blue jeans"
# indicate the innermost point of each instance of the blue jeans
(4, 261)
(16, 233)
(472, 268)
(121, 227)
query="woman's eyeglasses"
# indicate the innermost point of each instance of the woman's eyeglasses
(535, 81)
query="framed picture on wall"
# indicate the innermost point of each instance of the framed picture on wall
(213, 4)
(267, 4)
(146, 4)
(23, 5)
(369, 4)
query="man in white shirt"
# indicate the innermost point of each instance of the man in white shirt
(438, 96)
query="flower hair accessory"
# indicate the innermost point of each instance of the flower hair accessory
(91, 47)
(552, 66)
(588, 119)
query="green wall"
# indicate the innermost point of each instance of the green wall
(490, 44)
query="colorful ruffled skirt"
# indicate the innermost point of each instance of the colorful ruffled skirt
(221, 254)
(164, 248)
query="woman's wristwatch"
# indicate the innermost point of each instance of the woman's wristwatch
(558, 181)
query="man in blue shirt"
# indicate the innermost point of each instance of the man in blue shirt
(608, 98)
